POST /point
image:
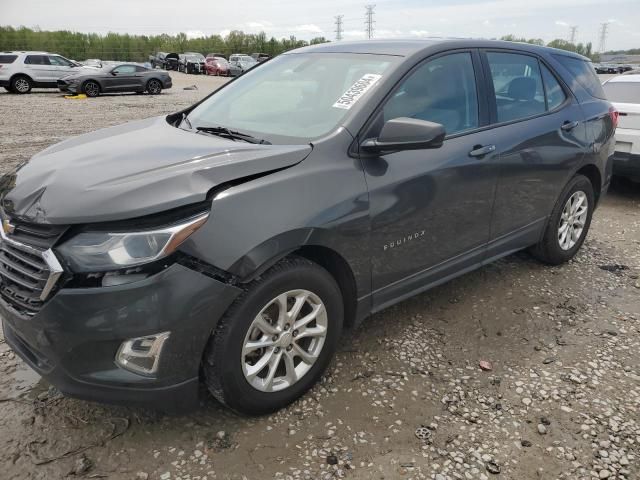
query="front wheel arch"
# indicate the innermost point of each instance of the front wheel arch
(90, 80)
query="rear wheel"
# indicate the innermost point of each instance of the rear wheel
(21, 84)
(154, 87)
(569, 223)
(276, 339)
(91, 89)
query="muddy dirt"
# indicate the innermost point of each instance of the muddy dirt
(557, 397)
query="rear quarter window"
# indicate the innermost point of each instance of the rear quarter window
(7, 58)
(584, 73)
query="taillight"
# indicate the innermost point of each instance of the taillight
(613, 113)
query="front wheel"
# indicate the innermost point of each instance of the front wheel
(568, 224)
(21, 84)
(277, 338)
(91, 89)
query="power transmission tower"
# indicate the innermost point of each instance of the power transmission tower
(572, 35)
(369, 20)
(338, 27)
(603, 36)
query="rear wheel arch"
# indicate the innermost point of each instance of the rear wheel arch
(593, 174)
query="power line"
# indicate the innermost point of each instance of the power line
(572, 35)
(339, 27)
(603, 36)
(369, 20)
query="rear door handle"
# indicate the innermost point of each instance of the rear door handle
(480, 151)
(568, 126)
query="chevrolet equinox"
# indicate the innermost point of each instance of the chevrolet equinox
(232, 242)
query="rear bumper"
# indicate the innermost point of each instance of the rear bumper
(627, 165)
(73, 340)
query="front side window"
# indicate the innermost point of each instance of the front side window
(442, 90)
(59, 61)
(296, 96)
(517, 83)
(125, 69)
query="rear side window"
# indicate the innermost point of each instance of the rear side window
(36, 60)
(555, 94)
(517, 82)
(622, 92)
(585, 74)
(7, 58)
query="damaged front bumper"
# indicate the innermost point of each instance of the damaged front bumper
(74, 339)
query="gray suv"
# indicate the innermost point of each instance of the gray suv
(22, 71)
(232, 242)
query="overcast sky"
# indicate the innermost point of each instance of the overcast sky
(546, 19)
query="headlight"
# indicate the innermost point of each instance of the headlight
(104, 251)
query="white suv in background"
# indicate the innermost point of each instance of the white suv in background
(21, 71)
(623, 92)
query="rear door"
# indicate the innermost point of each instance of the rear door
(541, 138)
(37, 67)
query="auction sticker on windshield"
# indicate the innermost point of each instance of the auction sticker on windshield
(357, 90)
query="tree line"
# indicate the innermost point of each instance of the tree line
(585, 49)
(126, 47)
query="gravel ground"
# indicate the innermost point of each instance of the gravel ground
(515, 371)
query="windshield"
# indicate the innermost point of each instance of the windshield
(296, 96)
(622, 92)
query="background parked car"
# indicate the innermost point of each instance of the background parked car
(260, 57)
(126, 77)
(171, 61)
(624, 92)
(21, 71)
(240, 63)
(216, 66)
(158, 60)
(92, 62)
(191, 62)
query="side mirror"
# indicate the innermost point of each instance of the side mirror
(405, 133)
(114, 73)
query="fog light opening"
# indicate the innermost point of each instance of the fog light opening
(141, 355)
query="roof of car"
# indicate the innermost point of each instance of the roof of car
(409, 47)
(634, 77)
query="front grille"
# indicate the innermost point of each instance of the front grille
(25, 275)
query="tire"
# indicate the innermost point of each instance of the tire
(224, 366)
(154, 87)
(558, 247)
(21, 84)
(91, 88)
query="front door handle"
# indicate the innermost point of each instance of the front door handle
(480, 151)
(568, 126)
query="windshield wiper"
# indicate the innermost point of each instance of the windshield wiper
(232, 135)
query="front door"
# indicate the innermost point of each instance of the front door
(431, 208)
(122, 78)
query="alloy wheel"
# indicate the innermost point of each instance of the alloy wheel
(154, 87)
(21, 85)
(284, 340)
(92, 89)
(572, 220)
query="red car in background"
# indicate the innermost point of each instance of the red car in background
(216, 66)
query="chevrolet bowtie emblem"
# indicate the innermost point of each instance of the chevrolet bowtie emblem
(8, 227)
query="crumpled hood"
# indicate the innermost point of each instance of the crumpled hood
(131, 170)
